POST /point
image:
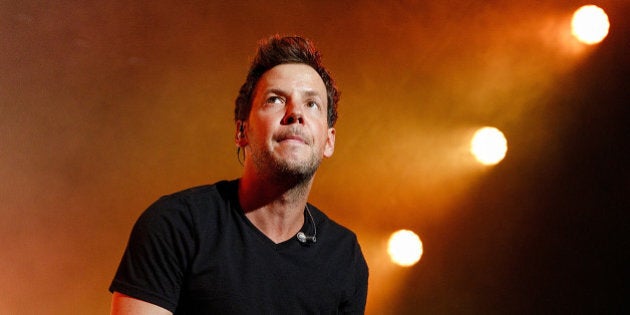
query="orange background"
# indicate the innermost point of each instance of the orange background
(107, 105)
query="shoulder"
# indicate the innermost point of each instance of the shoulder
(205, 193)
(326, 225)
(339, 242)
(189, 204)
(193, 197)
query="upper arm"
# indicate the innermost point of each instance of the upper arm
(126, 305)
(153, 266)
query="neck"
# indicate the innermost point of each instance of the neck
(263, 187)
(275, 207)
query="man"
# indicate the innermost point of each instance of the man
(254, 245)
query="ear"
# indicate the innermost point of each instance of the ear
(329, 146)
(241, 138)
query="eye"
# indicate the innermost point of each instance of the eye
(275, 100)
(312, 104)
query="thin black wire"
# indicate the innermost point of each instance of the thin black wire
(238, 156)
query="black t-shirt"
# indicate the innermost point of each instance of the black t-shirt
(195, 252)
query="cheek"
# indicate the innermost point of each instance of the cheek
(260, 133)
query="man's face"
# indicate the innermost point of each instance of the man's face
(287, 129)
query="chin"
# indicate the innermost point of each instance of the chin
(304, 169)
(284, 165)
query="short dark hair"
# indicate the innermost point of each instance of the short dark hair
(278, 50)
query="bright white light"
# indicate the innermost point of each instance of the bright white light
(488, 145)
(404, 248)
(590, 24)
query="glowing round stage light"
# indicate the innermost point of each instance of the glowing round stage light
(590, 24)
(404, 248)
(488, 145)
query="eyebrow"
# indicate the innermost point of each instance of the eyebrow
(275, 91)
(309, 93)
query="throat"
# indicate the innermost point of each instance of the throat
(278, 228)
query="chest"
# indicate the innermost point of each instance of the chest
(242, 274)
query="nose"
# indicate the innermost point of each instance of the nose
(293, 114)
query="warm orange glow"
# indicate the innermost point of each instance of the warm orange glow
(488, 145)
(404, 248)
(590, 24)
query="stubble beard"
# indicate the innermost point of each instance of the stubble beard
(286, 172)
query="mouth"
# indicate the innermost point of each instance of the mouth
(291, 137)
(292, 141)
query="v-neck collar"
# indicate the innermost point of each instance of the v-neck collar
(292, 242)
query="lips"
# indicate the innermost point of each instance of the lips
(291, 136)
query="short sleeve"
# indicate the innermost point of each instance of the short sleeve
(157, 254)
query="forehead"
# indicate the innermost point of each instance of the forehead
(290, 78)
